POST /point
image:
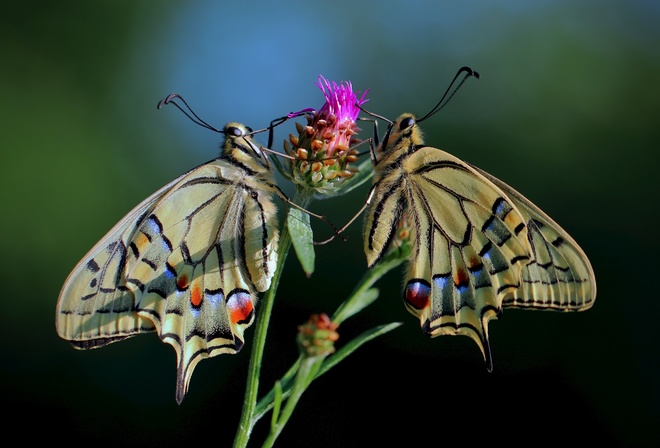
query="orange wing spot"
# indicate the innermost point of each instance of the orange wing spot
(461, 278)
(182, 281)
(196, 296)
(140, 241)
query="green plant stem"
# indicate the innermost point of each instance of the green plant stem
(307, 371)
(247, 421)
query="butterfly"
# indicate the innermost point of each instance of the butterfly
(187, 262)
(477, 245)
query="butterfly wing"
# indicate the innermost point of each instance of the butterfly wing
(186, 263)
(477, 245)
(559, 275)
(81, 316)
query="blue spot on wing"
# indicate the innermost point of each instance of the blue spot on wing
(215, 297)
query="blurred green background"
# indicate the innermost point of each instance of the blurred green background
(566, 111)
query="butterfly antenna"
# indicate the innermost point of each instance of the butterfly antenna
(169, 99)
(278, 121)
(447, 96)
(271, 128)
(379, 117)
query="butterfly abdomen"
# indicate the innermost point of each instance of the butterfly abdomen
(387, 208)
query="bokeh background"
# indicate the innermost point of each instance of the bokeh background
(566, 111)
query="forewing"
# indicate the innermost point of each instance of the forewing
(95, 305)
(559, 275)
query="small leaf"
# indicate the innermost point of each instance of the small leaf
(302, 237)
(357, 303)
(354, 344)
(277, 404)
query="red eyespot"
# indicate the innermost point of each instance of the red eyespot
(240, 307)
(418, 294)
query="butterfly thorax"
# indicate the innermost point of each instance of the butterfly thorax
(403, 138)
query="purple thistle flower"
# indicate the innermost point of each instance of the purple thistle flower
(323, 149)
(340, 100)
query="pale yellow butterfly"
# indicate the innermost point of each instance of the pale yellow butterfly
(186, 263)
(478, 245)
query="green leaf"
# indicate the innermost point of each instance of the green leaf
(302, 238)
(354, 344)
(277, 404)
(359, 301)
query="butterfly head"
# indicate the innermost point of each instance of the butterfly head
(402, 132)
(239, 145)
(238, 132)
